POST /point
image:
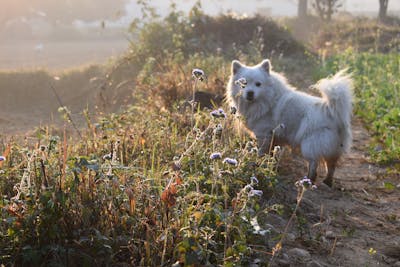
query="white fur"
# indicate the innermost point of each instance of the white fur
(320, 126)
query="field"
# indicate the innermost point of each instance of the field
(57, 55)
(163, 182)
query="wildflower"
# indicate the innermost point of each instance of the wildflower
(219, 113)
(230, 161)
(253, 180)
(42, 148)
(241, 82)
(107, 156)
(305, 182)
(2, 158)
(198, 74)
(255, 192)
(216, 155)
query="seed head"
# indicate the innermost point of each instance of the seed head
(241, 82)
(198, 74)
(216, 155)
(304, 182)
(253, 180)
(255, 192)
(107, 156)
(218, 113)
(230, 161)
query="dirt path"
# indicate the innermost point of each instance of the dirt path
(355, 224)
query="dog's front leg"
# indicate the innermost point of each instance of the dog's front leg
(312, 170)
(263, 144)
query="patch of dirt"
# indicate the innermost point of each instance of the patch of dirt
(356, 223)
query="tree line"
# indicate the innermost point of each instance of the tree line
(326, 8)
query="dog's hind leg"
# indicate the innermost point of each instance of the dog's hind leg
(312, 170)
(331, 165)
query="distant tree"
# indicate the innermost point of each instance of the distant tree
(383, 7)
(326, 8)
(302, 9)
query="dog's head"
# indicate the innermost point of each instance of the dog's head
(250, 83)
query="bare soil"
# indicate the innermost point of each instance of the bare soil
(356, 223)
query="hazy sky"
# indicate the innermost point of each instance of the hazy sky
(276, 7)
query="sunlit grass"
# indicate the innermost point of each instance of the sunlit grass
(377, 90)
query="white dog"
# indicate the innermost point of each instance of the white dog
(273, 110)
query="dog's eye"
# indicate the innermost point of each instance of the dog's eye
(258, 84)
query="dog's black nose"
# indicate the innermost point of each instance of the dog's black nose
(250, 95)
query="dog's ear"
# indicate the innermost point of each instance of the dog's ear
(266, 65)
(236, 65)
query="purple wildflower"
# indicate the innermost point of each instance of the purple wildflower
(304, 182)
(230, 161)
(216, 155)
(2, 158)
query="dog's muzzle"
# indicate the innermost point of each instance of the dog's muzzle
(250, 96)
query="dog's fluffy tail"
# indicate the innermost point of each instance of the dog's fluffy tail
(337, 92)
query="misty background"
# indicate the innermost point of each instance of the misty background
(63, 34)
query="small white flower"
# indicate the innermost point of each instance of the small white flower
(198, 74)
(305, 182)
(277, 149)
(107, 156)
